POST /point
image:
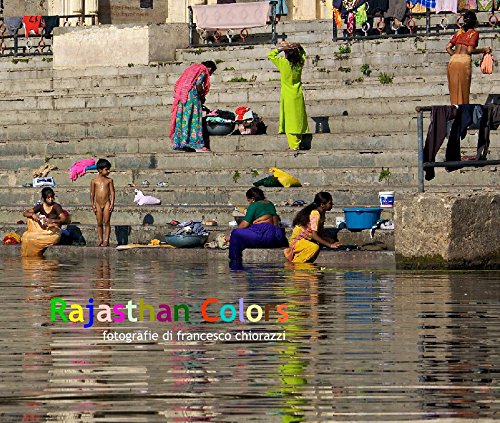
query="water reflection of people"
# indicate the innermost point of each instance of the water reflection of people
(44, 225)
(300, 289)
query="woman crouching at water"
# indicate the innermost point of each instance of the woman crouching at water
(307, 235)
(44, 225)
(260, 228)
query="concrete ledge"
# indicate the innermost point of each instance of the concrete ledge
(338, 259)
(450, 231)
(117, 45)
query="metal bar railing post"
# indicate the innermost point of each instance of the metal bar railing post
(274, 36)
(420, 136)
(334, 28)
(16, 44)
(191, 26)
(427, 20)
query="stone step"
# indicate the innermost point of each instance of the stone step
(155, 122)
(224, 144)
(205, 195)
(221, 179)
(163, 215)
(419, 47)
(317, 67)
(179, 160)
(88, 107)
(143, 234)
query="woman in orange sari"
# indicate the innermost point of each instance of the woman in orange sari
(307, 235)
(462, 45)
(44, 225)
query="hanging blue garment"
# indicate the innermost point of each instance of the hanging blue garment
(431, 4)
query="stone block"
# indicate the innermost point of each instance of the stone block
(449, 230)
(117, 45)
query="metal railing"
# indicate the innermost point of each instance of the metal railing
(411, 28)
(33, 44)
(451, 164)
(216, 35)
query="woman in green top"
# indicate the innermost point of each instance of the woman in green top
(260, 228)
(293, 118)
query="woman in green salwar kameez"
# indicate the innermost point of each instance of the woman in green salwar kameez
(293, 117)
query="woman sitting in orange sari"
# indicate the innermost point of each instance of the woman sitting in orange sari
(307, 235)
(44, 225)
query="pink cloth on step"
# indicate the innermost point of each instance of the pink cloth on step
(446, 6)
(78, 168)
(231, 16)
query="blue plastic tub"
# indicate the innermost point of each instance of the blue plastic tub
(358, 218)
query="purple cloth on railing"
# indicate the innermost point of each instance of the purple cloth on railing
(13, 24)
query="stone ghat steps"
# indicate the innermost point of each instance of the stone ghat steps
(185, 178)
(344, 88)
(366, 97)
(163, 215)
(420, 47)
(180, 160)
(143, 234)
(190, 195)
(262, 70)
(331, 142)
(155, 123)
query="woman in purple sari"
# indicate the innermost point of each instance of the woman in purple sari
(260, 228)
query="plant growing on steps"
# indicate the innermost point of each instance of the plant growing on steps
(254, 173)
(344, 49)
(238, 79)
(384, 174)
(342, 69)
(365, 69)
(385, 78)
(343, 53)
(236, 176)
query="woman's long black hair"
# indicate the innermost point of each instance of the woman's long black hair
(256, 194)
(470, 20)
(294, 56)
(302, 217)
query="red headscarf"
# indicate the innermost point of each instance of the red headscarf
(184, 84)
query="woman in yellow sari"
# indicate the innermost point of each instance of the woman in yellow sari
(307, 232)
(44, 225)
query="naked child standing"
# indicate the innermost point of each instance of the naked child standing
(102, 199)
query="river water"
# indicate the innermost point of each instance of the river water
(350, 345)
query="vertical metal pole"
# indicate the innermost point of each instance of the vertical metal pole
(274, 37)
(191, 26)
(16, 44)
(420, 135)
(427, 21)
(334, 28)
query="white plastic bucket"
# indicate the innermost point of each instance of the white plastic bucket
(386, 199)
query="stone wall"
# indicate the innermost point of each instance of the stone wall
(25, 7)
(449, 230)
(117, 45)
(128, 11)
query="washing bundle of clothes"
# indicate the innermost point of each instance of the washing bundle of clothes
(247, 121)
(190, 227)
